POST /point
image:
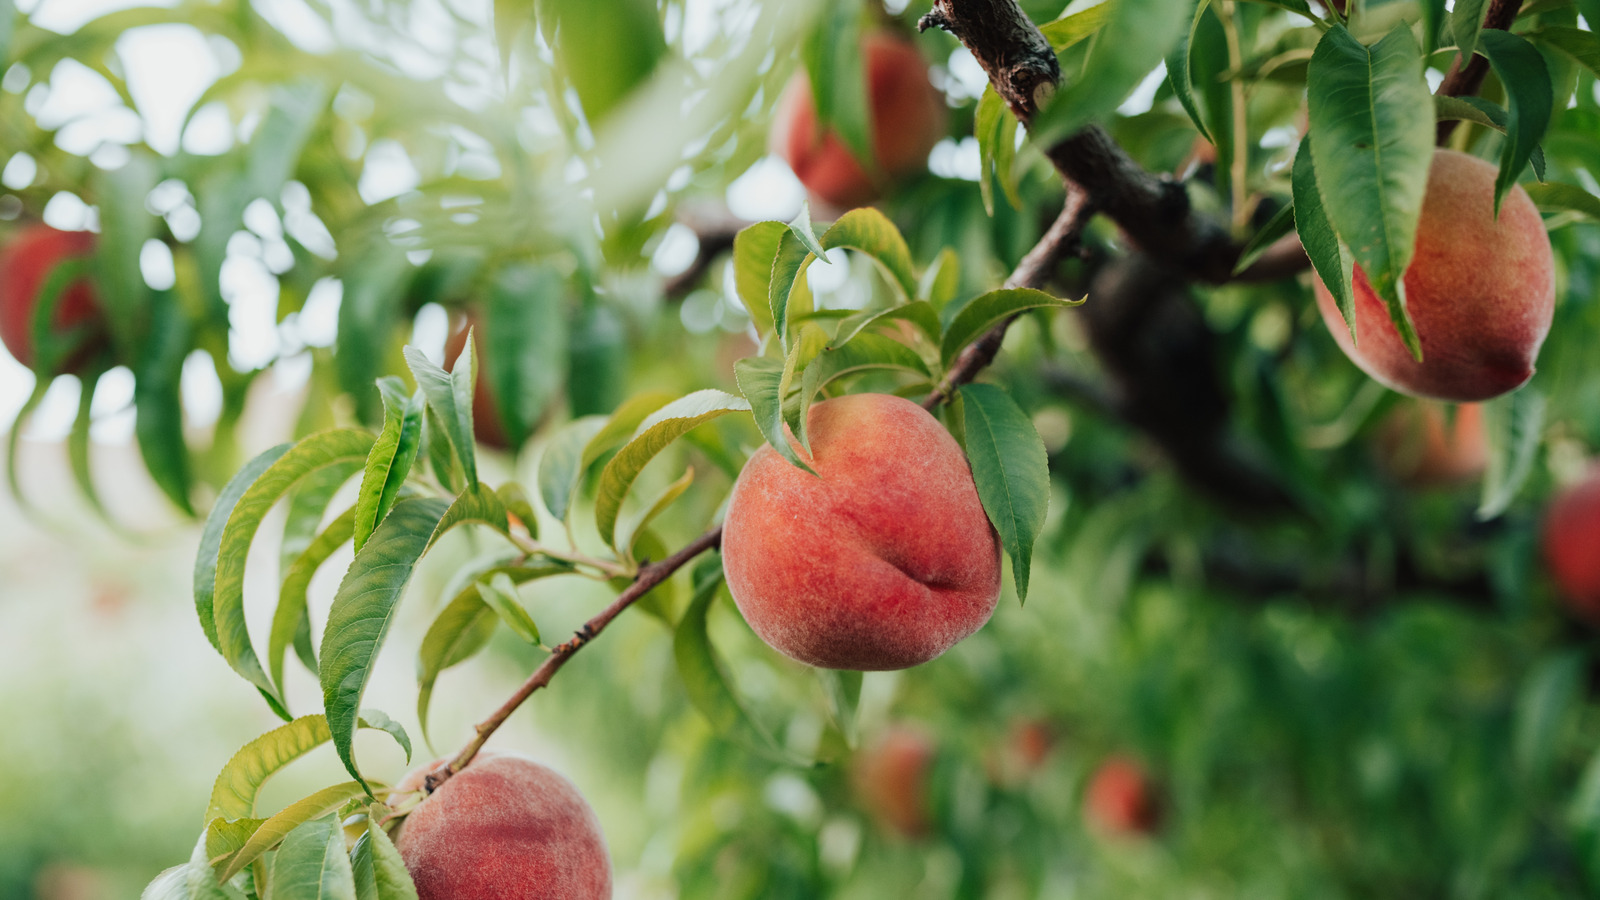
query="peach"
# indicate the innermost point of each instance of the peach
(25, 266)
(1572, 545)
(1416, 445)
(907, 114)
(891, 780)
(882, 560)
(1480, 290)
(1119, 799)
(503, 827)
(486, 424)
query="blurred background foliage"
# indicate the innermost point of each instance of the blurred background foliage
(1375, 696)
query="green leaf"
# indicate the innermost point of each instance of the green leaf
(917, 312)
(1490, 115)
(754, 249)
(842, 687)
(312, 864)
(986, 310)
(1281, 224)
(1515, 424)
(561, 465)
(761, 380)
(441, 457)
(941, 281)
(1466, 23)
(865, 351)
(500, 594)
(1182, 79)
(837, 78)
(1011, 470)
(450, 398)
(606, 48)
(801, 229)
(622, 424)
(379, 867)
(1327, 254)
(706, 680)
(233, 795)
(205, 563)
(276, 828)
(289, 620)
(389, 461)
(658, 430)
(525, 355)
(1527, 83)
(303, 459)
(515, 500)
(1372, 133)
(307, 506)
(1555, 197)
(365, 604)
(1132, 41)
(78, 450)
(787, 267)
(1068, 31)
(191, 881)
(672, 492)
(986, 128)
(158, 400)
(13, 479)
(865, 230)
(464, 627)
(125, 299)
(1583, 46)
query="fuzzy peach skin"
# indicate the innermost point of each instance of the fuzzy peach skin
(1421, 450)
(26, 262)
(891, 780)
(1480, 291)
(503, 828)
(1572, 545)
(1119, 800)
(882, 560)
(908, 117)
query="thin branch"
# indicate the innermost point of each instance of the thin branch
(1464, 81)
(1033, 271)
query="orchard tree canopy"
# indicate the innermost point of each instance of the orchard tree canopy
(995, 448)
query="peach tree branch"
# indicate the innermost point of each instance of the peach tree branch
(1464, 80)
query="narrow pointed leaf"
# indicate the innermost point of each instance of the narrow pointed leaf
(942, 280)
(1565, 198)
(1531, 100)
(760, 379)
(276, 828)
(801, 228)
(1011, 469)
(918, 313)
(501, 596)
(1182, 78)
(290, 619)
(987, 310)
(233, 795)
(561, 465)
(1327, 254)
(1134, 38)
(306, 457)
(205, 563)
(379, 867)
(1466, 23)
(659, 429)
(450, 400)
(312, 864)
(622, 424)
(1281, 224)
(672, 492)
(754, 249)
(865, 351)
(389, 461)
(1372, 133)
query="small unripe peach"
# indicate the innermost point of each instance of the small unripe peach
(1421, 450)
(882, 560)
(503, 827)
(908, 118)
(1119, 799)
(1572, 545)
(26, 263)
(1480, 290)
(891, 780)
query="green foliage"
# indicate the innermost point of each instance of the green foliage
(1011, 471)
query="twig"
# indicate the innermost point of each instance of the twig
(1033, 271)
(1464, 80)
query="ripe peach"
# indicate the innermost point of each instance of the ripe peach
(1480, 290)
(25, 266)
(884, 561)
(908, 118)
(1119, 799)
(486, 424)
(1572, 545)
(1414, 446)
(504, 826)
(891, 780)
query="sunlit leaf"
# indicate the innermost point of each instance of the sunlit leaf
(1011, 470)
(987, 310)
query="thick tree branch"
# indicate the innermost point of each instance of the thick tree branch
(1153, 211)
(1464, 80)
